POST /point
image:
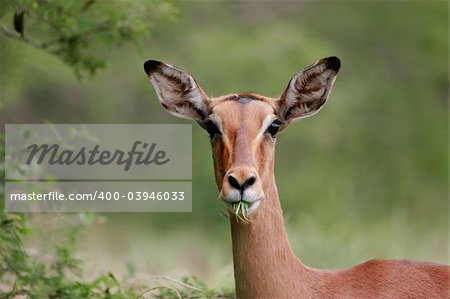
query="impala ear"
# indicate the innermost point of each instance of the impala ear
(308, 90)
(177, 91)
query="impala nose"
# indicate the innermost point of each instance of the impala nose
(243, 184)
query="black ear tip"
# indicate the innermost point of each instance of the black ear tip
(151, 65)
(333, 63)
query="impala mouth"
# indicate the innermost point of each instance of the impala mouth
(242, 209)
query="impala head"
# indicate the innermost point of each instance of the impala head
(243, 127)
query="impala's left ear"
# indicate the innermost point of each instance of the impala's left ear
(308, 90)
(178, 91)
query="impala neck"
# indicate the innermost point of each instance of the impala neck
(264, 263)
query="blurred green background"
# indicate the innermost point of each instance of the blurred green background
(365, 178)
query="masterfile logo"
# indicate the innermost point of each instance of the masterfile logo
(53, 155)
(99, 152)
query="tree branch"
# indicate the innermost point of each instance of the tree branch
(14, 35)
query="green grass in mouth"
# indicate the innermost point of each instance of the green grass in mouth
(240, 209)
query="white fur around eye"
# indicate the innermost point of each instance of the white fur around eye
(266, 123)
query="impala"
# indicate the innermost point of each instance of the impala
(243, 129)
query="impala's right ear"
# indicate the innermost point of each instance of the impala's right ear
(308, 90)
(177, 91)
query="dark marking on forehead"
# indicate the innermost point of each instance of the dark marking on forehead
(242, 98)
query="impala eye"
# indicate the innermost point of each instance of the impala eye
(274, 127)
(211, 128)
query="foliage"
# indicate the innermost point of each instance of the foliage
(60, 276)
(79, 32)
(190, 287)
